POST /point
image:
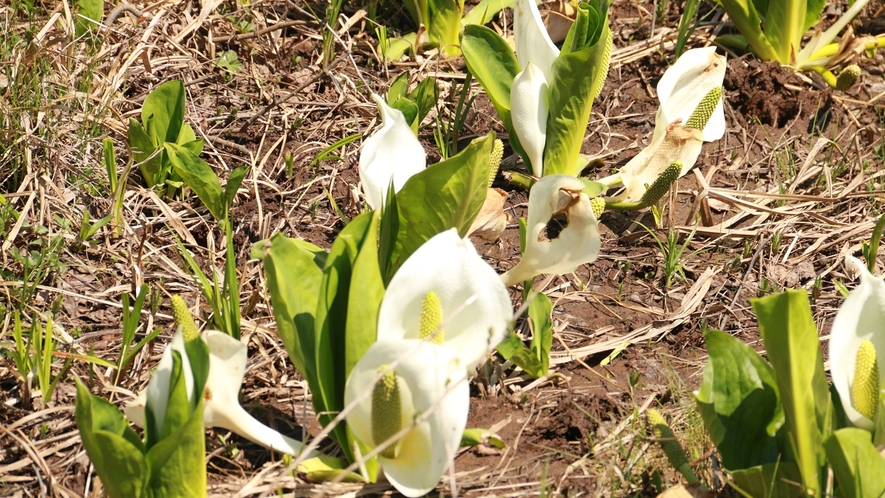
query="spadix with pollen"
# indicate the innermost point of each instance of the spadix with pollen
(421, 388)
(473, 305)
(856, 338)
(683, 87)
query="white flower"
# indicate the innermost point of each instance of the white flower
(474, 305)
(221, 407)
(575, 244)
(677, 143)
(528, 93)
(861, 318)
(426, 379)
(685, 84)
(393, 152)
(528, 113)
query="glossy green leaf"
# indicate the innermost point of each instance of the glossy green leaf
(198, 175)
(492, 62)
(114, 449)
(409, 110)
(535, 359)
(784, 27)
(425, 96)
(399, 88)
(446, 195)
(89, 14)
(791, 340)
(773, 480)
(325, 468)
(858, 468)
(294, 300)
(233, 184)
(739, 402)
(574, 76)
(476, 436)
(366, 292)
(444, 25)
(331, 323)
(162, 114)
(178, 462)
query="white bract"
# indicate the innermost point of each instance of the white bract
(475, 305)
(860, 318)
(676, 143)
(528, 93)
(392, 153)
(685, 84)
(430, 385)
(221, 406)
(575, 244)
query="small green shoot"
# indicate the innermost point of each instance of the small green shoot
(672, 253)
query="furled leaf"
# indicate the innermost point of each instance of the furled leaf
(857, 465)
(162, 114)
(793, 347)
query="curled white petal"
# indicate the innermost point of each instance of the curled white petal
(435, 380)
(528, 107)
(475, 304)
(677, 143)
(577, 243)
(861, 317)
(221, 406)
(684, 85)
(392, 152)
(533, 43)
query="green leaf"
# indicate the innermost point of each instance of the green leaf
(331, 323)
(198, 175)
(791, 340)
(476, 436)
(233, 184)
(366, 292)
(784, 27)
(409, 110)
(593, 189)
(229, 61)
(114, 449)
(574, 79)
(399, 88)
(446, 195)
(89, 14)
(142, 147)
(746, 19)
(540, 316)
(444, 25)
(294, 300)
(857, 465)
(772, 480)
(325, 468)
(492, 62)
(513, 349)
(178, 461)
(740, 403)
(425, 96)
(163, 112)
(388, 232)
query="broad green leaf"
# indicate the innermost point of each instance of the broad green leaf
(198, 175)
(446, 195)
(89, 14)
(331, 323)
(593, 189)
(178, 409)
(142, 147)
(399, 88)
(366, 292)
(186, 137)
(388, 232)
(791, 340)
(198, 357)
(483, 12)
(492, 62)
(409, 110)
(784, 27)
(294, 300)
(445, 24)
(114, 449)
(746, 18)
(513, 349)
(813, 11)
(425, 96)
(163, 112)
(475, 436)
(178, 462)
(859, 469)
(574, 78)
(739, 403)
(772, 480)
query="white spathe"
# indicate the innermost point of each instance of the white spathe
(861, 317)
(677, 143)
(533, 43)
(429, 377)
(684, 85)
(528, 112)
(476, 309)
(577, 243)
(221, 406)
(393, 152)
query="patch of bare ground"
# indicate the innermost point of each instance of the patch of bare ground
(793, 187)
